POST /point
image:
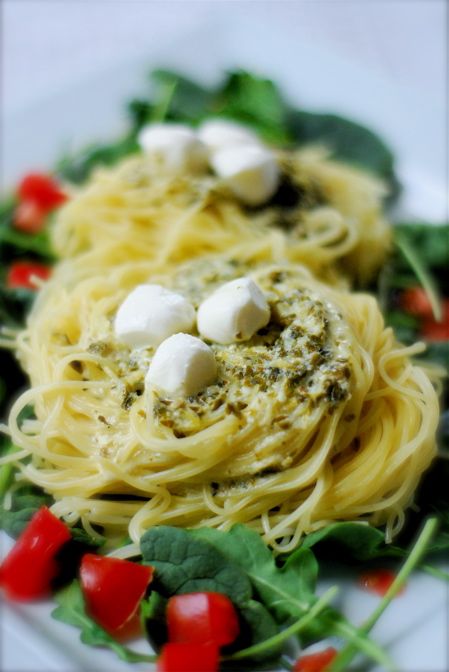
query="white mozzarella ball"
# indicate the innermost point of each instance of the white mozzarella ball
(251, 172)
(182, 366)
(234, 312)
(175, 147)
(151, 313)
(220, 133)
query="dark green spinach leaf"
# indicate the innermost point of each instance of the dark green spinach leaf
(288, 591)
(185, 564)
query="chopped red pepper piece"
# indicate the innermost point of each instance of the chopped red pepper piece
(113, 589)
(415, 301)
(202, 617)
(186, 657)
(315, 662)
(29, 217)
(21, 274)
(432, 330)
(378, 581)
(30, 567)
(43, 190)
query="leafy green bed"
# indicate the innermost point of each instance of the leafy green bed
(276, 597)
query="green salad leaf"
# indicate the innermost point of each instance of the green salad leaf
(285, 591)
(350, 541)
(25, 501)
(245, 98)
(72, 609)
(256, 102)
(347, 141)
(185, 564)
(183, 99)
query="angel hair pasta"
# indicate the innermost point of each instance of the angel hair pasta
(320, 416)
(323, 214)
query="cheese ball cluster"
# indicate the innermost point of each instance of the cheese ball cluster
(152, 315)
(235, 154)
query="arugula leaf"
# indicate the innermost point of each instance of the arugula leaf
(350, 541)
(414, 557)
(186, 564)
(258, 626)
(347, 140)
(420, 270)
(26, 500)
(276, 640)
(288, 591)
(431, 240)
(72, 610)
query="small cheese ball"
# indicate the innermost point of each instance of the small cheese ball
(151, 313)
(234, 312)
(182, 366)
(175, 147)
(249, 171)
(220, 133)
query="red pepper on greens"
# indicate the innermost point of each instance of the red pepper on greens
(188, 657)
(30, 567)
(315, 662)
(432, 330)
(415, 301)
(29, 217)
(20, 274)
(202, 617)
(41, 189)
(378, 581)
(38, 194)
(113, 589)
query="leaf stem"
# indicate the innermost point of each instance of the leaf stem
(347, 653)
(411, 255)
(7, 471)
(293, 629)
(162, 108)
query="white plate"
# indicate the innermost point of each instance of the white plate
(415, 626)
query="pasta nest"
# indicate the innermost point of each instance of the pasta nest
(320, 416)
(325, 215)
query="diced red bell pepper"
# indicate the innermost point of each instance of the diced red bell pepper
(315, 662)
(29, 217)
(415, 301)
(378, 581)
(202, 617)
(432, 330)
(113, 589)
(31, 565)
(20, 274)
(43, 190)
(188, 657)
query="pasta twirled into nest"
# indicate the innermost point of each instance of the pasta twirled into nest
(325, 215)
(321, 416)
